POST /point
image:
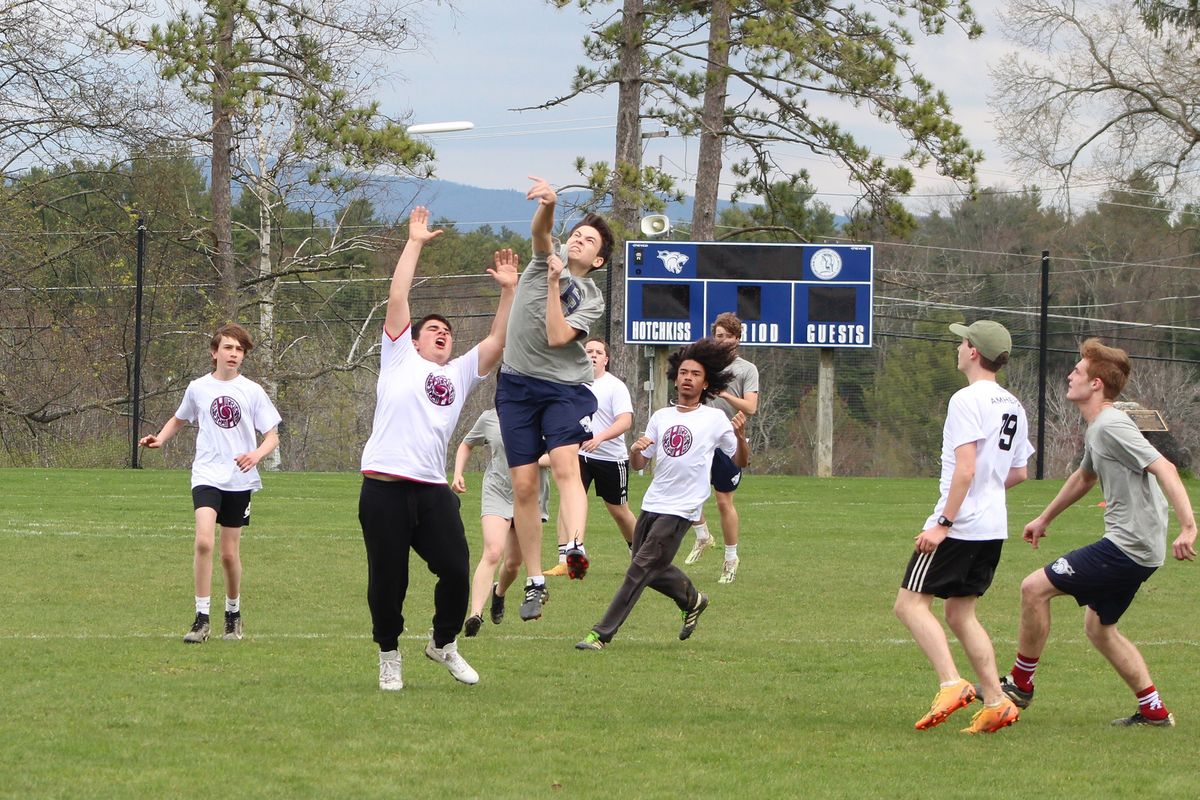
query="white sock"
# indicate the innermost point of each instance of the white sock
(579, 546)
(562, 553)
(233, 604)
(730, 552)
(203, 604)
(538, 580)
(702, 531)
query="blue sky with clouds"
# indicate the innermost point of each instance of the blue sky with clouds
(488, 57)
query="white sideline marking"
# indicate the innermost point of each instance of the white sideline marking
(171, 532)
(366, 637)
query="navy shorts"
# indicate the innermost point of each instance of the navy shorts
(233, 508)
(724, 475)
(956, 568)
(537, 415)
(1099, 576)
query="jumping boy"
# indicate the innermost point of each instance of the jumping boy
(541, 397)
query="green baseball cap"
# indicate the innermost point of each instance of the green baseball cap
(989, 338)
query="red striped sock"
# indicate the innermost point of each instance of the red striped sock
(1022, 672)
(1150, 704)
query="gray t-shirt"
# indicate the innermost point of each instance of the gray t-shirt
(1135, 512)
(526, 349)
(745, 380)
(496, 498)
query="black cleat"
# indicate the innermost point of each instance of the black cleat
(1137, 720)
(199, 632)
(690, 618)
(497, 610)
(535, 597)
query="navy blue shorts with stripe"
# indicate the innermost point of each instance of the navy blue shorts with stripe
(537, 416)
(1099, 576)
(957, 568)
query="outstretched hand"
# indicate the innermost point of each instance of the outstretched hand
(504, 268)
(418, 226)
(541, 191)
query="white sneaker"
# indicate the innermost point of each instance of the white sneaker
(729, 570)
(449, 658)
(389, 671)
(698, 549)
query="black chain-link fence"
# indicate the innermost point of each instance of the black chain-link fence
(68, 355)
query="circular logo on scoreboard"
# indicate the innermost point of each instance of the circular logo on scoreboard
(826, 263)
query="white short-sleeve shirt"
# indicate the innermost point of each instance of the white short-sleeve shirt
(989, 415)
(417, 405)
(682, 449)
(227, 414)
(612, 400)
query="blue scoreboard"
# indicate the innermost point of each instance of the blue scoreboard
(787, 295)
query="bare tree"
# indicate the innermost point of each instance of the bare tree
(320, 60)
(1095, 93)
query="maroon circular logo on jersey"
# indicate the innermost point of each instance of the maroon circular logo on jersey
(439, 389)
(677, 441)
(225, 412)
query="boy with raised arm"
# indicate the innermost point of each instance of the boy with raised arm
(541, 397)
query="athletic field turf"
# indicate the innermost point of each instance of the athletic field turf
(798, 682)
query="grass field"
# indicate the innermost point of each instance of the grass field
(799, 682)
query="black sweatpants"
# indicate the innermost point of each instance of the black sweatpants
(398, 516)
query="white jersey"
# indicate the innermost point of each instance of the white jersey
(227, 413)
(612, 400)
(683, 445)
(417, 405)
(987, 414)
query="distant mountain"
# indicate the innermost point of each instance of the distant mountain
(471, 207)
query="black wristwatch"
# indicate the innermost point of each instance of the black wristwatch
(945, 523)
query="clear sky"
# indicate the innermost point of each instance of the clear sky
(490, 57)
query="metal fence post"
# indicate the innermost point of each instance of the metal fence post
(1043, 356)
(135, 391)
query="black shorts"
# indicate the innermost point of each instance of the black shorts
(957, 568)
(725, 476)
(611, 477)
(1099, 576)
(233, 508)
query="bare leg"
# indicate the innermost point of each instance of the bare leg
(511, 566)
(572, 498)
(730, 522)
(624, 518)
(1036, 593)
(960, 616)
(527, 517)
(231, 560)
(495, 533)
(1121, 653)
(913, 609)
(206, 532)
